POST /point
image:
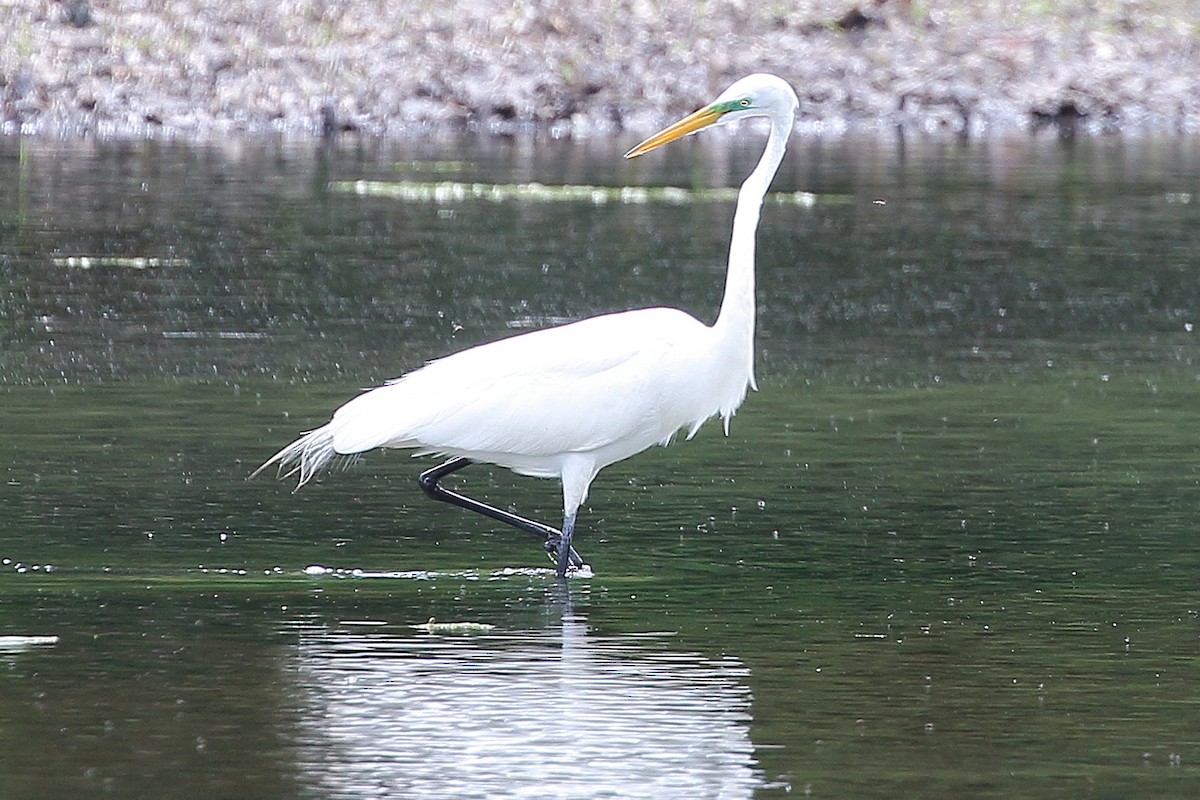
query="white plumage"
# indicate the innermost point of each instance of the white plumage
(567, 401)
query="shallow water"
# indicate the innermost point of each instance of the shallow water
(947, 548)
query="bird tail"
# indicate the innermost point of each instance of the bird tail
(307, 456)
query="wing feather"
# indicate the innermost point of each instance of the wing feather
(573, 388)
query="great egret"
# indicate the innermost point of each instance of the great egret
(567, 401)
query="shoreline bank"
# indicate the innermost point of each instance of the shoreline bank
(202, 69)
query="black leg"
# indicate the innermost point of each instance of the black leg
(552, 539)
(565, 551)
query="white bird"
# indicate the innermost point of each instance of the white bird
(567, 401)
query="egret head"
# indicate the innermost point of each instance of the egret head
(758, 95)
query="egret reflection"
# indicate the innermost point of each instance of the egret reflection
(550, 713)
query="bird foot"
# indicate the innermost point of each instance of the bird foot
(576, 568)
(581, 571)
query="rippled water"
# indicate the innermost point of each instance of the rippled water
(948, 549)
(521, 714)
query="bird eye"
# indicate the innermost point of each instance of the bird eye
(744, 102)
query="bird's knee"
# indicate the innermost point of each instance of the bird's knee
(428, 483)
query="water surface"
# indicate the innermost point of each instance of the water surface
(947, 548)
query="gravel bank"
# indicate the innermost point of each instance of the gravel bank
(214, 68)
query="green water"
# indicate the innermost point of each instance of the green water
(949, 548)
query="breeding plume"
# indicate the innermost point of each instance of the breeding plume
(567, 401)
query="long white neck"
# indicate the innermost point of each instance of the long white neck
(735, 322)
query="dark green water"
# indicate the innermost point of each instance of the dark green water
(948, 550)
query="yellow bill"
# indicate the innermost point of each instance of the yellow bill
(689, 124)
